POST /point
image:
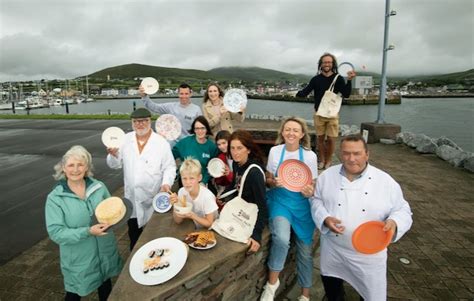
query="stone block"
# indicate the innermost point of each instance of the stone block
(378, 131)
(452, 155)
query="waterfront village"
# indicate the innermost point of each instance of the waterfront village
(44, 93)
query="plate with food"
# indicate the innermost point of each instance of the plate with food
(113, 211)
(112, 137)
(235, 100)
(201, 240)
(168, 126)
(150, 85)
(158, 261)
(294, 175)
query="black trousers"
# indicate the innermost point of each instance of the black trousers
(133, 232)
(334, 288)
(103, 290)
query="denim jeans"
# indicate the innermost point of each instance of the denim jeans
(281, 232)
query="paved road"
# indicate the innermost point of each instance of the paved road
(28, 151)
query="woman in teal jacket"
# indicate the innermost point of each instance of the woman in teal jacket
(88, 254)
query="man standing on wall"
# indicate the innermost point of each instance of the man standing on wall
(327, 129)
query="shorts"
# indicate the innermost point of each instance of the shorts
(326, 126)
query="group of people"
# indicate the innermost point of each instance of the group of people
(335, 202)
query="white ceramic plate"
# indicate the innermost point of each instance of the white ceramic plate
(113, 137)
(168, 126)
(177, 258)
(209, 246)
(345, 67)
(234, 100)
(216, 167)
(150, 85)
(161, 202)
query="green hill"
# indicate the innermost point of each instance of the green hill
(224, 74)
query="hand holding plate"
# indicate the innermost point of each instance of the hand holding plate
(165, 188)
(308, 190)
(113, 151)
(390, 225)
(141, 91)
(99, 229)
(173, 198)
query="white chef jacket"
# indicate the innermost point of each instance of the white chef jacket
(144, 173)
(373, 196)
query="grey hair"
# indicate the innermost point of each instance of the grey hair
(77, 152)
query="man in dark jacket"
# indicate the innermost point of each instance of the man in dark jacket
(327, 129)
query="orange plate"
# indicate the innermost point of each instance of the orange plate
(369, 237)
(294, 174)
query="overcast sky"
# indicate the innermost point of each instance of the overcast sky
(69, 38)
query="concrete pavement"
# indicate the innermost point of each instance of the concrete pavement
(439, 247)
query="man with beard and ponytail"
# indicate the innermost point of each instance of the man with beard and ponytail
(148, 168)
(327, 129)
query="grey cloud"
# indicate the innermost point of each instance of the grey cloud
(71, 38)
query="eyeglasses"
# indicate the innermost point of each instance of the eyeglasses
(137, 121)
(200, 128)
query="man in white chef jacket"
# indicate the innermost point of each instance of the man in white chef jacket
(148, 168)
(346, 196)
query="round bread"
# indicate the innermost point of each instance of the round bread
(110, 211)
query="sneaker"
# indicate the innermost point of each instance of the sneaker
(302, 298)
(321, 165)
(269, 291)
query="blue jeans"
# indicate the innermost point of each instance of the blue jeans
(281, 232)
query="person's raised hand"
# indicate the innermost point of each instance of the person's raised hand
(113, 151)
(334, 224)
(141, 91)
(351, 74)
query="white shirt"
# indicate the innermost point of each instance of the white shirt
(373, 196)
(144, 173)
(203, 204)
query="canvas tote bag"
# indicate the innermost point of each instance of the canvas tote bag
(238, 217)
(330, 103)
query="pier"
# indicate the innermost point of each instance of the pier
(439, 247)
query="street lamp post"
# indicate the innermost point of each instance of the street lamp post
(386, 48)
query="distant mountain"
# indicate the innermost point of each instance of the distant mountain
(230, 74)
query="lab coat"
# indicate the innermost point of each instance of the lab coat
(144, 173)
(373, 196)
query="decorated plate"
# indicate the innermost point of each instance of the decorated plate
(129, 209)
(234, 100)
(150, 85)
(345, 67)
(168, 126)
(294, 174)
(112, 137)
(370, 238)
(161, 202)
(170, 264)
(216, 167)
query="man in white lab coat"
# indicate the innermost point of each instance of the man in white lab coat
(346, 196)
(148, 168)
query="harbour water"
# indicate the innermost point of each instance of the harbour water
(435, 117)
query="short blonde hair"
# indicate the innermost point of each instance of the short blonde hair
(77, 152)
(191, 166)
(305, 141)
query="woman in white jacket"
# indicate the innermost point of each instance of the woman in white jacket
(148, 168)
